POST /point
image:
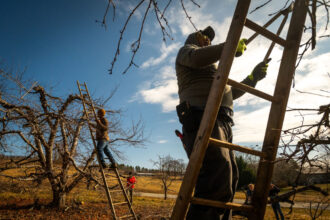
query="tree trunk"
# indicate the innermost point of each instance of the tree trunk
(59, 199)
(165, 192)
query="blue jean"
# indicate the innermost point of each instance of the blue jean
(102, 147)
(277, 210)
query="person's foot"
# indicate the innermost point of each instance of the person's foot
(104, 165)
(113, 165)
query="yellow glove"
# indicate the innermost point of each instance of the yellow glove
(259, 72)
(241, 47)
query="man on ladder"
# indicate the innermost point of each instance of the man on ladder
(195, 69)
(102, 138)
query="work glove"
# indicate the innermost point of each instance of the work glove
(259, 72)
(241, 47)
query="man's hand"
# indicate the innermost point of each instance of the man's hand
(259, 72)
(241, 47)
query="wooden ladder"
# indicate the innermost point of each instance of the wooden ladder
(278, 101)
(90, 113)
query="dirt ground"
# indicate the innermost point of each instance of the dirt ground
(17, 202)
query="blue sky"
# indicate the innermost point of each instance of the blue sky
(59, 42)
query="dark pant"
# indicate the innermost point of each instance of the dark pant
(218, 176)
(130, 194)
(102, 146)
(277, 210)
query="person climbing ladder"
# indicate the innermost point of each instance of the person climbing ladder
(102, 138)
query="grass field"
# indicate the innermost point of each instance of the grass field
(94, 206)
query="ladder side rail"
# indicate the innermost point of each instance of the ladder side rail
(90, 100)
(125, 194)
(211, 111)
(94, 143)
(279, 30)
(277, 111)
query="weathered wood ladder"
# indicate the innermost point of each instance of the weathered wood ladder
(89, 111)
(278, 101)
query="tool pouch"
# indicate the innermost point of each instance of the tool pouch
(189, 116)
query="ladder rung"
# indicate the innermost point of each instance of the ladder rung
(251, 90)
(235, 147)
(126, 216)
(118, 190)
(225, 205)
(266, 33)
(120, 203)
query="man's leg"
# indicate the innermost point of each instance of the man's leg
(99, 148)
(211, 184)
(109, 155)
(131, 194)
(275, 210)
(278, 206)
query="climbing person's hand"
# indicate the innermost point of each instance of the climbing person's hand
(241, 47)
(259, 72)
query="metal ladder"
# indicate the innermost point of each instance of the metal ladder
(278, 101)
(90, 113)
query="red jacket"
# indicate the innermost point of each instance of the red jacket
(130, 182)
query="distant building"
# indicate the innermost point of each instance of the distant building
(145, 174)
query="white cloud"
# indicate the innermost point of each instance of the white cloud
(165, 52)
(162, 141)
(163, 90)
(250, 126)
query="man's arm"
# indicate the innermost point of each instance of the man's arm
(196, 57)
(102, 123)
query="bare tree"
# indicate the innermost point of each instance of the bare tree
(316, 209)
(308, 144)
(169, 170)
(285, 172)
(51, 132)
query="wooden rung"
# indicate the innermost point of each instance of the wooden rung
(251, 90)
(225, 205)
(235, 147)
(126, 216)
(118, 190)
(266, 33)
(120, 203)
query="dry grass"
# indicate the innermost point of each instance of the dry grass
(24, 193)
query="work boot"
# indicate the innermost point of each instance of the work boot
(104, 165)
(113, 165)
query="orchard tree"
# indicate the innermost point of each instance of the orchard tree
(168, 170)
